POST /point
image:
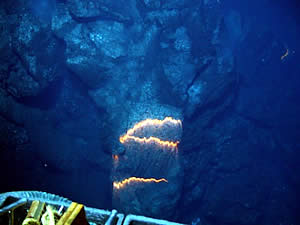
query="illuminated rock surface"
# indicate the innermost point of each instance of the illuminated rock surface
(148, 176)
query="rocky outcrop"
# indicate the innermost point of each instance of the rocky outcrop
(33, 56)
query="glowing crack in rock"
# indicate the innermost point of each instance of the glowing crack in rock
(152, 140)
(152, 122)
(155, 123)
(123, 183)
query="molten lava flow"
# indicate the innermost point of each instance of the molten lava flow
(151, 122)
(121, 184)
(116, 158)
(149, 140)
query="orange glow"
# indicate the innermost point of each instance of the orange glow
(155, 140)
(115, 157)
(121, 184)
(285, 54)
(150, 122)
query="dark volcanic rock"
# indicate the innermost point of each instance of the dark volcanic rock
(33, 55)
(95, 10)
(92, 48)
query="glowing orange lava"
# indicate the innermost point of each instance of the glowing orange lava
(121, 184)
(115, 157)
(150, 122)
(150, 140)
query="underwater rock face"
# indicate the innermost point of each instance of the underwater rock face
(115, 59)
(98, 10)
(30, 69)
(124, 62)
